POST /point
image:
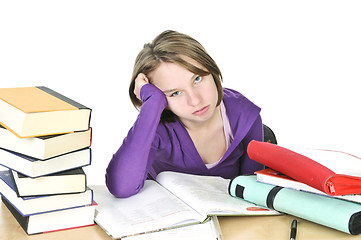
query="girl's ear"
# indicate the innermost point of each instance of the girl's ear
(146, 79)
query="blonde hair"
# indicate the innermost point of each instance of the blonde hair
(169, 46)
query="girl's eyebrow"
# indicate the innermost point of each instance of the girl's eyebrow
(169, 91)
(175, 89)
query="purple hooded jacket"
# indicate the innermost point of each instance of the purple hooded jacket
(152, 147)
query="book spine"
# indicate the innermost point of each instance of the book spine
(11, 173)
(66, 99)
(62, 97)
(23, 221)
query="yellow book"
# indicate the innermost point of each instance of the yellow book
(39, 111)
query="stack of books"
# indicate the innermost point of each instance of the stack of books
(45, 141)
(323, 186)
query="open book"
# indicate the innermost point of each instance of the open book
(209, 230)
(173, 200)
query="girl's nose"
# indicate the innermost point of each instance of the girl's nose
(194, 98)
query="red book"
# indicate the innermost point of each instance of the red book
(332, 172)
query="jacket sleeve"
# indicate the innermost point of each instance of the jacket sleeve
(129, 166)
(247, 165)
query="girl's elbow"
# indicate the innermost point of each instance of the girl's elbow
(123, 190)
(119, 193)
(123, 193)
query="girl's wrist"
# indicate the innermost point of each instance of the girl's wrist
(149, 90)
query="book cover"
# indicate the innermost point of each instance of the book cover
(332, 172)
(37, 111)
(331, 212)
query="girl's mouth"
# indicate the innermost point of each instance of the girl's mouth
(201, 111)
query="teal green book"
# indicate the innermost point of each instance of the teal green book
(335, 213)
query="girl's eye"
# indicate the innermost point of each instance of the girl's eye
(175, 94)
(197, 79)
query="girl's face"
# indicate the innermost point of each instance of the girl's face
(191, 97)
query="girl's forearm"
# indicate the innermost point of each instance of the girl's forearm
(129, 166)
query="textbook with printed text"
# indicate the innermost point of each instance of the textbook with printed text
(173, 200)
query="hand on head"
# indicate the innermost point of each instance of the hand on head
(140, 81)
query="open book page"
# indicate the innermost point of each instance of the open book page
(153, 208)
(208, 195)
(338, 162)
(209, 230)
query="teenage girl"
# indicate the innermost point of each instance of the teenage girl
(187, 121)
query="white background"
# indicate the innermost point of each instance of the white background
(298, 60)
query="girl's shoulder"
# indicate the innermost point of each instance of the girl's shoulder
(237, 104)
(231, 95)
(231, 92)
